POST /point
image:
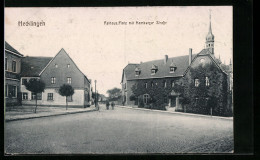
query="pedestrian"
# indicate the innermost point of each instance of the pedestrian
(107, 105)
(113, 105)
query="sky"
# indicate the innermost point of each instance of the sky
(102, 51)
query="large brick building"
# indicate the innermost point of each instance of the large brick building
(54, 72)
(162, 80)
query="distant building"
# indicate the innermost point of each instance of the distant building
(169, 73)
(55, 72)
(12, 75)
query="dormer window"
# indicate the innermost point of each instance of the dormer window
(173, 67)
(154, 69)
(137, 71)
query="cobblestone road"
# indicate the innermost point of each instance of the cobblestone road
(119, 131)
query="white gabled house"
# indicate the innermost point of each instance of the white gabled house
(55, 72)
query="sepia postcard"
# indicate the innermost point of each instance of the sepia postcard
(118, 80)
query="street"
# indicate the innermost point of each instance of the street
(119, 131)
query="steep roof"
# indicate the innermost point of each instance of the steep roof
(181, 62)
(32, 66)
(10, 48)
(60, 52)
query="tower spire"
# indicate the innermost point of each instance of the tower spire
(210, 30)
(210, 37)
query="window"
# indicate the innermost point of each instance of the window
(69, 80)
(12, 91)
(68, 65)
(196, 82)
(53, 80)
(6, 91)
(25, 95)
(39, 96)
(146, 98)
(50, 96)
(69, 99)
(172, 69)
(207, 81)
(153, 71)
(125, 85)
(165, 99)
(24, 81)
(172, 84)
(202, 60)
(206, 101)
(145, 84)
(137, 73)
(196, 101)
(5, 63)
(164, 84)
(14, 66)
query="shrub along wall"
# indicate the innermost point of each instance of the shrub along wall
(158, 93)
(204, 99)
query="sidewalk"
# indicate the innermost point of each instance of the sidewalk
(173, 112)
(27, 112)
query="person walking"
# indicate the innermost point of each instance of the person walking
(107, 105)
(113, 105)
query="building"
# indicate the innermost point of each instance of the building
(55, 72)
(176, 82)
(12, 75)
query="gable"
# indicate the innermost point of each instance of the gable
(62, 67)
(205, 57)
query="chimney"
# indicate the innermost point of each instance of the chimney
(190, 55)
(165, 59)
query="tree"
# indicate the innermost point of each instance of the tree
(36, 86)
(66, 90)
(114, 94)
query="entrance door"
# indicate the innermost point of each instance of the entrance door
(173, 101)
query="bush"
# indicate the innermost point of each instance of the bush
(141, 104)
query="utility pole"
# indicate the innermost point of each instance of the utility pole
(95, 95)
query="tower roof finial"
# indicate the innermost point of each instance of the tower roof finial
(210, 31)
(210, 36)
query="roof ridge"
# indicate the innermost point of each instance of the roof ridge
(169, 58)
(37, 57)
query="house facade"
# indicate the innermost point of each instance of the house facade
(197, 83)
(55, 72)
(12, 75)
